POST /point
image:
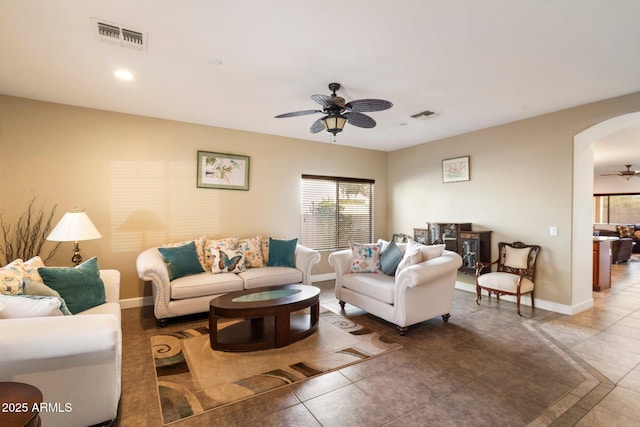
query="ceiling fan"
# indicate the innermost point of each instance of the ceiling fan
(626, 174)
(338, 112)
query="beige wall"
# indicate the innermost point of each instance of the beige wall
(521, 184)
(136, 178)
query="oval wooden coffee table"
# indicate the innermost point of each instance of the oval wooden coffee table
(267, 316)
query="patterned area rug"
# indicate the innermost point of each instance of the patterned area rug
(192, 378)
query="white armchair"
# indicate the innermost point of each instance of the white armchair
(74, 360)
(419, 292)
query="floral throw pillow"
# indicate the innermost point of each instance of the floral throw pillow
(252, 248)
(31, 269)
(210, 245)
(11, 277)
(227, 261)
(365, 258)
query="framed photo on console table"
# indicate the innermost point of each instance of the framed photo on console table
(225, 171)
(455, 170)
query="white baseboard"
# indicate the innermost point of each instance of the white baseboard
(323, 277)
(136, 302)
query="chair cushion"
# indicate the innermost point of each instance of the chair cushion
(505, 282)
(202, 284)
(376, 286)
(270, 276)
(516, 257)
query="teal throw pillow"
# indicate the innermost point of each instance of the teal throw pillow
(390, 257)
(181, 260)
(80, 287)
(282, 253)
(33, 288)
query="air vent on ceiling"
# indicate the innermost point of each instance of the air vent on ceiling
(117, 34)
(424, 115)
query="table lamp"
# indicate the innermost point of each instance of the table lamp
(74, 227)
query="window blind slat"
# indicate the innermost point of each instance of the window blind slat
(336, 211)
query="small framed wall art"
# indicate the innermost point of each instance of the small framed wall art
(225, 171)
(455, 170)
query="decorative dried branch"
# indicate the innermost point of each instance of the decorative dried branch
(29, 235)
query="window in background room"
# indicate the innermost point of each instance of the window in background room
(616, 208)
(336, 211)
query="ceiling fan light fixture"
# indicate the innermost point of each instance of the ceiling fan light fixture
(334, 123)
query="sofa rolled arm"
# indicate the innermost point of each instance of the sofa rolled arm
(111, 280)
(151, 267)
(58, 336)
(341, 263)
(305, 258)
(427, 271)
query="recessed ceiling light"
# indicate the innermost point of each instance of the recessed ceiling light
(123, 75)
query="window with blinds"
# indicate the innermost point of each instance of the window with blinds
(336, 211)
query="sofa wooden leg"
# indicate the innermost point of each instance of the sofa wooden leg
(342, 305)
(161, 323)
(445, 317)
(402, 330)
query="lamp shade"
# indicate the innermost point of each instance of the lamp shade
(74, 227)
(334, 123)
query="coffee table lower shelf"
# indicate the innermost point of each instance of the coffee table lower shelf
(271, 317)
(260, 333)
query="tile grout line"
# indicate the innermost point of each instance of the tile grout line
(571, 399)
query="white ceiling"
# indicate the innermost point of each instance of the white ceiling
(475, 63)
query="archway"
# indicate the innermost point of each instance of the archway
(581, 253)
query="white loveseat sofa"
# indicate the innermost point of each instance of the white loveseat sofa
(418, 292)
(74, 360)
(192, 293)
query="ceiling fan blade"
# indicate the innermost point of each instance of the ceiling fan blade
(322, 99)
(317, 126)
(329, 101)
(298, 113)
(360, 120)
(368, 105)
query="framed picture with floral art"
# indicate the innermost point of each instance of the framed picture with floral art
(455, 170)
(224, 171)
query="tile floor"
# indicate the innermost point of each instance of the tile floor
(486, 367)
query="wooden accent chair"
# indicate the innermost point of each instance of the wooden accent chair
(515, 272)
